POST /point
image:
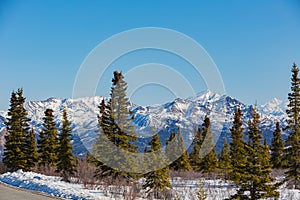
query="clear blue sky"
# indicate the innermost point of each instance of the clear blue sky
(43, 43)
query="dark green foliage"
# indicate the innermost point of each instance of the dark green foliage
(172, 153)
(293, 155)
(224, 161)
(277, 149)
(47, 144)
(293, 141)
(15, 153)
(194, 156)
(66, 160)
(121, 114)
(237, 147)
(254, 181)
(101, 147)
(209, 162)
(176, 150)
(114, 148)
(31, 150)
(157, 180)
(182, 163)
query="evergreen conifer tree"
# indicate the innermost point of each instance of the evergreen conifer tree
(293, 141)
(102, 152)
(115, 126)
(178, 149)
(277, 149)
(31, 153)
(157, 181)
(255, 181)
(172, 150)
(47, 144)
(209, 162)
(66, 160)
(18, 131)
(237, 147)
(194, 156)
(41, 148)
(224, 162)
(121, 114)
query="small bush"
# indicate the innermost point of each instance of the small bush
(3, 168)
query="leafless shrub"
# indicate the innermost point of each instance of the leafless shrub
(161, 194)
(134, 190)
(213, 175)
(186, 174)
(3, 168)
(278, 173)
(48, 170)
(85, 174)
(189, 175)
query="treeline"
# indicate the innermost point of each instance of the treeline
(52, 149)
(248, 164)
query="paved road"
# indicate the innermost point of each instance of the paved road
(10, 193)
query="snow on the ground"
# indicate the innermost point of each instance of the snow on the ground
(184, 189)
(49, 184)
(220, 189)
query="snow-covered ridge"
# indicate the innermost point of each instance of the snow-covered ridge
(181, 112)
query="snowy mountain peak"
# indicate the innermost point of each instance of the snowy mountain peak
(206, 95)
(273, 103)
(181, 112)
(275, 107)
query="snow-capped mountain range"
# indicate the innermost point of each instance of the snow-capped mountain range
(186, 113)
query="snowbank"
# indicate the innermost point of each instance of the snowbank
(185, 189)
(50, 185)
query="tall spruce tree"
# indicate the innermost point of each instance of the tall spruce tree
(24, 120)
(224, 160)
(115, 124)
(255, 181)
(237, 147)
(277, 149)
(157, 181)
(177, 148)
(209, 162)
(15, 152)
(194, 156)
(41, 149)
(102, 152)
(293, 141)
(121, 113)
(47, 144)
(66, 160)
(32, 154)
(171, 149)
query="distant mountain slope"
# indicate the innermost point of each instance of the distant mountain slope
(186, 113)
